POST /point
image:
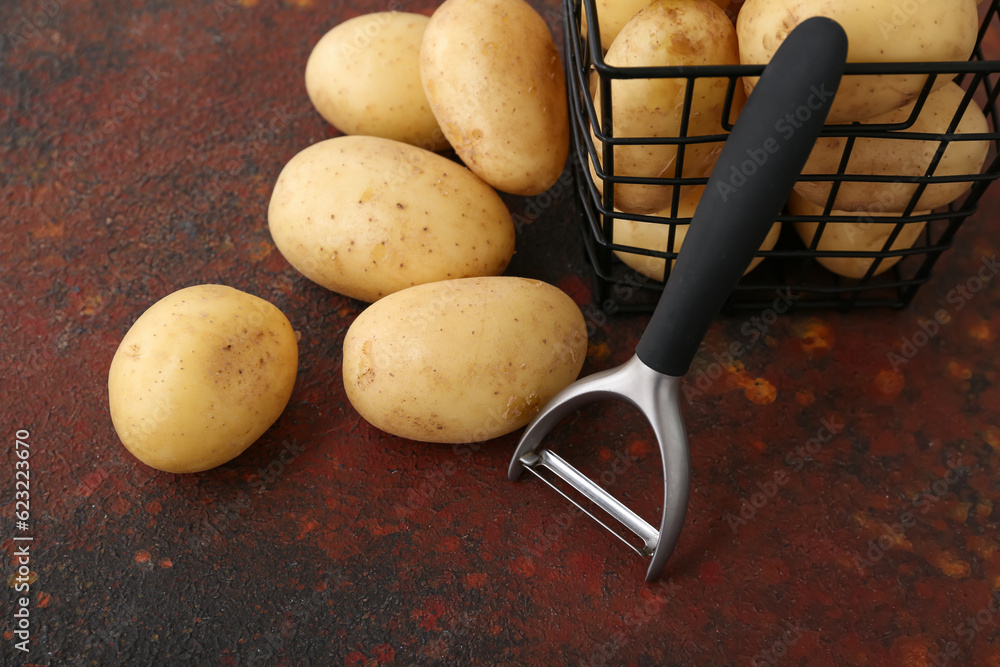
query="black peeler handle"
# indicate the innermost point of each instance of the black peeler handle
(755, 173)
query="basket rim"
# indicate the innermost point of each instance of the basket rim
(943, 67)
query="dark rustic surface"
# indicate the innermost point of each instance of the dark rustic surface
(140, 141)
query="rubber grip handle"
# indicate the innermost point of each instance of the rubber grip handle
(756, 170)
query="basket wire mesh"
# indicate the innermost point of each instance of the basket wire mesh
(792, 269)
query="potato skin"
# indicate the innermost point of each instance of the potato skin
(200, 376)
(366, 217)
(674, 33)
(363, 77)
(653, 236)
(612, 15)
(898, 157)
(462, 360)
(495, 82)
(863, 235)
(878, 32)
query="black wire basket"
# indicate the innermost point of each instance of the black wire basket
(809, 265)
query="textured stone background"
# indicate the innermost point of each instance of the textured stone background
(140, 141)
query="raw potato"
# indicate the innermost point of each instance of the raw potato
(878, 32)
(903, 158)
(463, 360)
(366, 217)
(363, 77)
(200, 376)
(654, 236)
(678, 33)
(496, 85)
(612, 15)
(863, 235)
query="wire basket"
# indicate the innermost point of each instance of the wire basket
(795, 269)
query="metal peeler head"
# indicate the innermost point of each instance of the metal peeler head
(655, 395)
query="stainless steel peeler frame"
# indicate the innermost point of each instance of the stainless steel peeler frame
(657, 397)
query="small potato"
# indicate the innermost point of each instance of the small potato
(495, 82)
(654, 236)
(200, 376)
(462, 360)
(363, 77)
(676, 33)
(612, 15)
(864, 235)
(366, 217)
(902, 157)
(879, 32)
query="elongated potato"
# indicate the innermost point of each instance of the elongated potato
(676, 33)
(654, 236)
(462, 360)
(495, 83)
(200, 376)
(878, 32)
(864, 235)
(366, 217)
(363, 76)
(908, 159)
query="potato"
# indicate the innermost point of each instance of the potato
(496, 85)
(878, 32)
(677, 33)
(200, 376)
(363, 77)
(462, 360)
(903, 158)
(612, 15)
(654, 236)
(864, 235)
(365, 217)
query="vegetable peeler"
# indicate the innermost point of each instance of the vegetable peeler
(756, 170)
